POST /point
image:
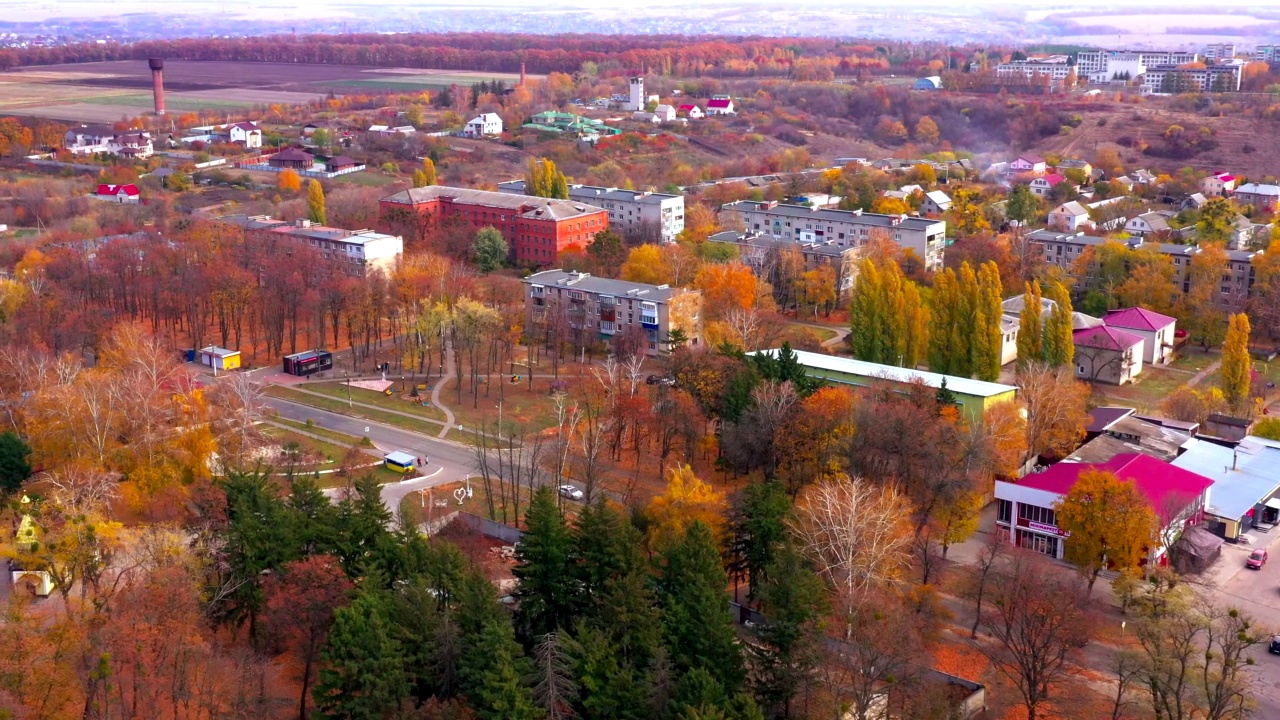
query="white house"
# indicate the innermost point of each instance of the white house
(665, 113)
(1042, 185)
(1156, 331)
(1028, 164)
(246, 133)
(1106, 354)
(483, 125)
(88, 139)
(134, 145)
(935, 203)
(1217, 185)
(720, 105)
(1147, 223)
(693, 112)
(1069, 217)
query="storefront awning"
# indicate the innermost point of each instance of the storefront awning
(1274, 503)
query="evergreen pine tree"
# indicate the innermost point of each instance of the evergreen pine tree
(545, 569)
(500, 691)
(1030, 326)
(945, 397)
(792, 599)
(761, 528)
(362, 675)
(608, 686)
(1059, 350)
(698, 624)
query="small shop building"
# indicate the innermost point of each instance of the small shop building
(1246, 482)
(400, 461)
(308, 362)
(220, 358)
(1025, 509)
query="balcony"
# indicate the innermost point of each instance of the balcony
(607, 328)
(649, 322)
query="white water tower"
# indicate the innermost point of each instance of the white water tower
(635, 102)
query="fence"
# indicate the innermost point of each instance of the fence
(484, 526)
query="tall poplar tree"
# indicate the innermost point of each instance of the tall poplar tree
(986, 363)
(964, 321)
(315, 203)
(1059, 350)
(1234, 375)
(943, 309)
(867, 314)
(1030, 326)
(428, 172)
(544, 180)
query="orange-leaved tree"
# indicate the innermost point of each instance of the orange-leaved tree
(1111, 524)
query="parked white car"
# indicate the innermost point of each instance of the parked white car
(571, 492)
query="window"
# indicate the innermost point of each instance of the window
(1037, 514)
(1004, 510)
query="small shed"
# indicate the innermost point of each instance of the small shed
(1195, 550)
(400, 461)
(220, 358)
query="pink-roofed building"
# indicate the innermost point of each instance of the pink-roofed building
(1156, 330)
(1042, 185)
(1025, 510)
(1217, 185)
(1028, 164)
(118, 193)
(1107, 354)
(720, 105)
(691, 111)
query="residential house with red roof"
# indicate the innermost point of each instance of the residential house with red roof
(245, 133)
(1042, 185)
(1156, 331)
(1107, 354)
(1025, 510)
(1217, 185)
(127, 194)
(691, 111)
(720, 105)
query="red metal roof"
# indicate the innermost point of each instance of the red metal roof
(686, 108)
(1053, 179)
(724, 103)
(1136, 318)
(1158, 481)
(1106, 338)
(105, 189)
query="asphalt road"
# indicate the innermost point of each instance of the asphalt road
(446, 461)
(1257, 592)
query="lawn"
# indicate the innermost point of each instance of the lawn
(330, 458)
(334, 435)
(535, 410)
(369, 397)
(1193, 359)
(1147, 391)
(367, 179)
(340, 407)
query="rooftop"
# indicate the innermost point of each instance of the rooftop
(766, 241)
(526, 206)
(1242, 476)
(1131, 434)
(1159, 482)
(603, 286)
(1136, 318)
(1101, 418)
(1258, 189)
(1105, 338)
(861, 368)
(584, 192)
(853, 216)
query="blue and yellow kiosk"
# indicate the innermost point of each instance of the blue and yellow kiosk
(400, 461)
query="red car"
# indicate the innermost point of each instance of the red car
(1257, 559)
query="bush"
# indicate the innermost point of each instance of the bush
(1268, 427)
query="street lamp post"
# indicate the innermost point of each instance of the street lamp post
(347, 375)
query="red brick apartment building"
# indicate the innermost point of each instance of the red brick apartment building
(536, 229)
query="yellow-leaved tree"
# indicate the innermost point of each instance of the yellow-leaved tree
(1111, 524)
(686, 500)
(645, 264)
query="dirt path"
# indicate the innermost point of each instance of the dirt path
(1195, 379)
(841, 332)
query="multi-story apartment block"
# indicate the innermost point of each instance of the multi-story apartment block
(843, 228)
(760, 253)
(1266, 53)
(1219, 52)
(536, 229)
(357, 251)
(1104, 66)
(636, 215)
(1172, 79)
(1055, 67)
(563, 306)
(1064, 249)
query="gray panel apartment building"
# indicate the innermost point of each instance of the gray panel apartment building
(633, 214)
(842, 228)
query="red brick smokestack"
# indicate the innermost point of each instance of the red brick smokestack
(522, 74)
(157, 82)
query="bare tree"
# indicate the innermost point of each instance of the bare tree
(1056, 413)
(553, 684)
(855, 533)
(1037, 619)
(83, 488)
(882, 650)
(1126, 665)
(994, 550)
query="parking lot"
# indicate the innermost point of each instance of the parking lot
(1256, 592)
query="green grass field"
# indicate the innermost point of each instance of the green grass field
(389, 402)
(333, 404)
(333, 455)
(367, 179)
(172, 102)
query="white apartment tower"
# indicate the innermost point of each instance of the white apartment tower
(635, 101)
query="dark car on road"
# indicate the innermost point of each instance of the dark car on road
(1274, 646)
